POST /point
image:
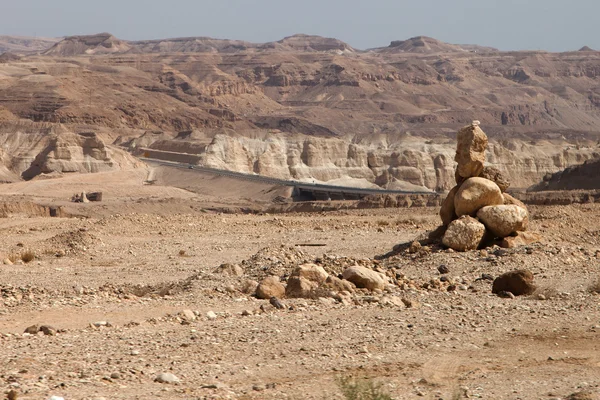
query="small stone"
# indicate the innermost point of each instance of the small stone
(135, 352)
(211, 315)
(12, 395)
(56, 398)
(99, 324)
(246, 313)
(32, 330)
(443, 269)
(115, 375)
(188, 315)
(517, 282)
(48, 330)
(364, 277)
(166, 377)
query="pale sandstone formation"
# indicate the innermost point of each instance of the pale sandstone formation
(364, 278)
(475, 193)
(269, 287)
(503, 220)
(470, 151)
(465, 233)
(521, 239)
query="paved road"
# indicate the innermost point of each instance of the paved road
(302, 186)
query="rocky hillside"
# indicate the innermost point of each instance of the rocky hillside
(577, 177)
(308, 107)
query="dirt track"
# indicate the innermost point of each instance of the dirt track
(448, 344)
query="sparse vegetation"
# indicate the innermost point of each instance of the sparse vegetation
(28, 256)
(365, 389)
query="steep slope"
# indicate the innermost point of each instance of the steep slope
(577, 177)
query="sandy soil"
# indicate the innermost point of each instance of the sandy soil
(149, 252)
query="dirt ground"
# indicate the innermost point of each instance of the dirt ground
(118, 282)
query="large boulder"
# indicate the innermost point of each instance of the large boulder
(517, 282)
(269, 287)
(494, 175)
(475, 193)
(465, 233)
(470, 151)
(520, 239)
(364, 277)
(503, 220)
(447, 213)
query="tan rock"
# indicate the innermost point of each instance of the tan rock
(364, 277)
(248, 286)
(465, 233)
(311, 272)
(494, 175)
(447, 212)
(503, 220)
(510, 200)
(475, 193)
(517, 282)
(269, 287)
(521, 239)
(470, 151)
(298, 286)
(339, 285)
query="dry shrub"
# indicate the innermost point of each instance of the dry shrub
(354, 389)
(28, 256)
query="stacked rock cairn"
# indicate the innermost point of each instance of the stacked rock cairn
(478, 212)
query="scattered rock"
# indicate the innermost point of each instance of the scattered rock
(415, 247)
(188, 315)
(476, 193)
(32, 330)
(48, 330)
(300, 287)
(447, 211)
(503, 220)
(470, 151)
(12, 395)
(166, 377)
(465, 233)
(584, 395)
(7, 262)
(521, 239)
(443, 269)
(339, 285)
(364, 278)
(230, 269)
(271, 286)
(274, 301)
(494, 175)
(517, 282)
(249, 286)
(211, 315)
(311, 272)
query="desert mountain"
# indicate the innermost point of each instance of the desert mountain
(102, 43)
(20, 44)
(308, 107)
(577, 177)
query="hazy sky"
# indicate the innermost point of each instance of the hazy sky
(554, 25)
